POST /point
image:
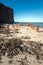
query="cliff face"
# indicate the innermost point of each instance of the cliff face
(6, 14)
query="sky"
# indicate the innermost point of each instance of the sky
(26, 10)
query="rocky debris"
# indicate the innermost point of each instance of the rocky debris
(10, 61)
(0, 58)
(24, 61)
(11, 47)
(35, 49)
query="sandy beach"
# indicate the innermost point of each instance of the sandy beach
(26, 34)
(21, 32)
(27, 31)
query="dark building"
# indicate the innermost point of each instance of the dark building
(6, 14)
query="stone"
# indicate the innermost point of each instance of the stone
(6, 14)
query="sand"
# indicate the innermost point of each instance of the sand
(27, 31)
(20, 32)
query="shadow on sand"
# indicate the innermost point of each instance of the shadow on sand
(40, 31)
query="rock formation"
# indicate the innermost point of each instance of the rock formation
(6, 14)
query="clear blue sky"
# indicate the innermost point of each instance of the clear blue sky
(26, 10)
